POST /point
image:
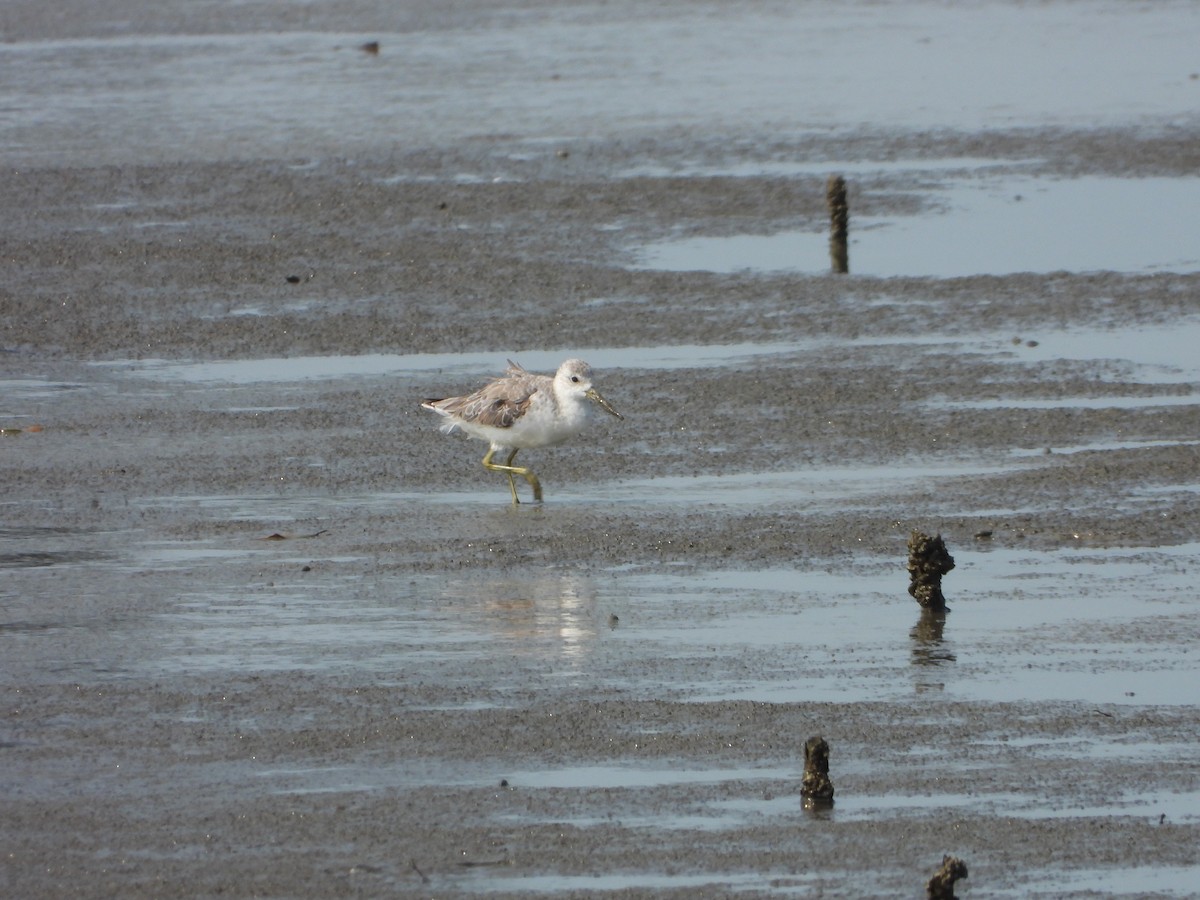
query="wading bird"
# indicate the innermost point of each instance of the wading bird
(524, 410)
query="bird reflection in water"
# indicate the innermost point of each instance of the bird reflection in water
(550, 616)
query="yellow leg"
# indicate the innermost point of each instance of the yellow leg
(510, 470)
(512, 485)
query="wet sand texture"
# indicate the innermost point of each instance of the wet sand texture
(266, 632)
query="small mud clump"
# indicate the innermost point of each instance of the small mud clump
(928, 561)
(941, 885)
(816, 788)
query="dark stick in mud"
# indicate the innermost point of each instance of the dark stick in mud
(839, 224)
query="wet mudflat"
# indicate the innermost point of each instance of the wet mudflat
(267, 632)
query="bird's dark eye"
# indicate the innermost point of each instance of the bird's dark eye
(575, 378)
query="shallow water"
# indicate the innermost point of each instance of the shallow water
(477, 366)
(1160, 354)
(1024, 626)
(1100, 627)
(1158, 880)
(1171, 881)
(585, 73)
(1178, 807)
(984, 226)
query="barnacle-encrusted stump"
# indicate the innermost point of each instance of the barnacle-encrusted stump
(941, 885)
(816, 788)
(928, 561)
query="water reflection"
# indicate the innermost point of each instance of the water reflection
(822, 811)
(929, 646)
(930, 650)
(994, 226)
(549, 616)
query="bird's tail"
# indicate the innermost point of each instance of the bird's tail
(447, 427)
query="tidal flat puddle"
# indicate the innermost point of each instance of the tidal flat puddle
(823, 485)
(772, 795)
(809, 489)
(1098, 626)
(1159, 356)
(469, 365)
(629, 777)
(851, 807)
(983, 226)
(918, 66)
(639, 881)
(1104, 627)
(1101, 881)
(26, 389)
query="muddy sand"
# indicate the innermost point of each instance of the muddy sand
(267, 632)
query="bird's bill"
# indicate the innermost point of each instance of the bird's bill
(594, 395)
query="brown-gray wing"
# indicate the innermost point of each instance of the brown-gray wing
(498, 412)
(496, 405)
